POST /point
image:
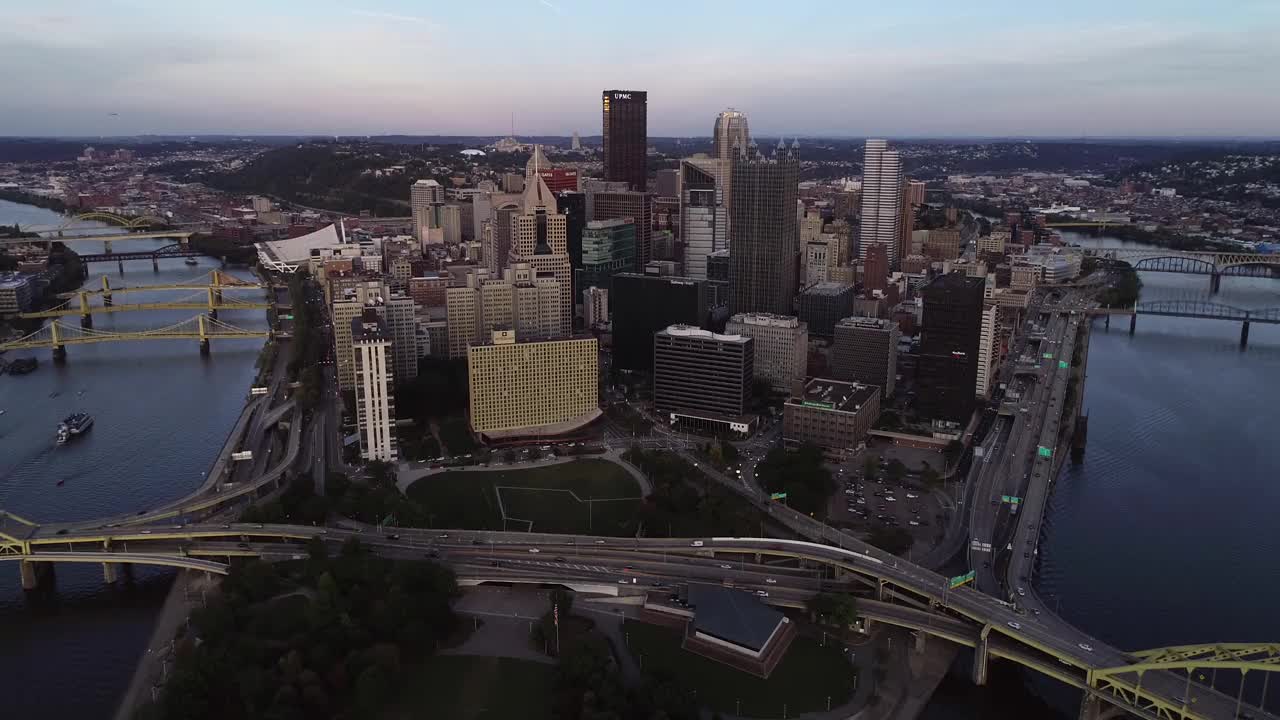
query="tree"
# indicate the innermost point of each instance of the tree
(895, 470)
(892, 540)
(508, 456)
(372, 687)
(929, 475)
(834, 608)
(871, 467)
(952, 451)
(534, 452)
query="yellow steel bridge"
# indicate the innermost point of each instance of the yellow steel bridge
(57, 335)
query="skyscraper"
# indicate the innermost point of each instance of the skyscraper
(703, 379)
(375, 403)
(704, 218)
(642, 304)
(608, 248)
(881, 200)
(947, 372)
(540, 238)
(423, 194)
(781, 346)
(627, 205)
(730, 131)
(538, 389)
(763, 233)
(626, 137)
(866, 351)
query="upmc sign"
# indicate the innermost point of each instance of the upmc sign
(622, 96)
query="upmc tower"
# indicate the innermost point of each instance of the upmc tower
(626, 137)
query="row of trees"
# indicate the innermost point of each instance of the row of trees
(685, 502)
(327, 637)
(802, 475)
(309, 342)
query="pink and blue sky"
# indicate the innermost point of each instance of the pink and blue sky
(922, 68)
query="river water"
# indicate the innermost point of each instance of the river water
(162, 414)
(1165, 534)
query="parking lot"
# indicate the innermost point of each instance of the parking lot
(863, 505)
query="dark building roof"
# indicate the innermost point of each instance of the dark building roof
(732, 615)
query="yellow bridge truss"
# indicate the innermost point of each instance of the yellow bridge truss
(217, 280)
(58, 334)
(1193, 661)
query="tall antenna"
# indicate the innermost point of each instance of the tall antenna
(513, 125)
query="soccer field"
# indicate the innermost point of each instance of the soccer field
(582, 497)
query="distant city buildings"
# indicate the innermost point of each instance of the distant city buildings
(608, 248)
(635, 207)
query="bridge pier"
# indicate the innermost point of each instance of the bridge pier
(109, 573)
(204, 346)
(1090, 707)
(86, 321)
(980, 657)
(1107, 322)
(28, 571)
(1244, 335)
(1133, 323)
(120, 264)
(59, 354)
(1215, 282)
(155, 264)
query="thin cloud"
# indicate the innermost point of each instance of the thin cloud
(391, 16)
(554, 8)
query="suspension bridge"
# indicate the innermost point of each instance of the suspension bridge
(208, 297)
(57, 335)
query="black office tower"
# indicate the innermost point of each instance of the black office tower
(947, 373)
(626, 137)
(763, 233)
(642, 304)
(573, 205)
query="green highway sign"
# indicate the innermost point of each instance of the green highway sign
(287, 317)
(778, 496)
(1043, 451)
(1062, 364)
(959, 580)
(1013, 499)
(1048, 356)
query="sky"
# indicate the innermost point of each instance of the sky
(910, 68)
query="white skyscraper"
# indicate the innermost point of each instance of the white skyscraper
(881, 200)
(423, 194)
(375, 403)
(730, 130)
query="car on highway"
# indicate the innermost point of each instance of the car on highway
(762, 593)
(1021, 591)
(1015, 625)
(771, 581)
(1086, 647)
(534, 550)
(726, 566)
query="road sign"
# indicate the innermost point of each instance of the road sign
(1062, 364)
(1043, 451)
(959, 580)
(1011, 499)
(778, 496)
(1048, 356)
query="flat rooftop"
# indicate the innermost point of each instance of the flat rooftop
(836, 394)
(732, 615)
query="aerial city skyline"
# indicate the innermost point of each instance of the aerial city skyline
(673, 363)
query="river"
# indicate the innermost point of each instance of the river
(162, 414)
(1165, 533)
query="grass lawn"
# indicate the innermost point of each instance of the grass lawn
(463, 687)
(806, 677)
(540, 499)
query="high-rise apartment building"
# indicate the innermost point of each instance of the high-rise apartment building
(626, 137)
(532, 389)
(374, 372)
(989, 351)
(423, 195)
(912, 199)
(781, 346)
(947, 371)
(451, 223)
(763, 237)
(608, 248)
(627, 205)
(397, 313)
(595, 306)
(703, 378)
(881, 212)
(642, 304)
(704, 217)
(540, 240)
(865, 350)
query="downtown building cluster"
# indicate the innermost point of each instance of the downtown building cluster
(725, 282)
